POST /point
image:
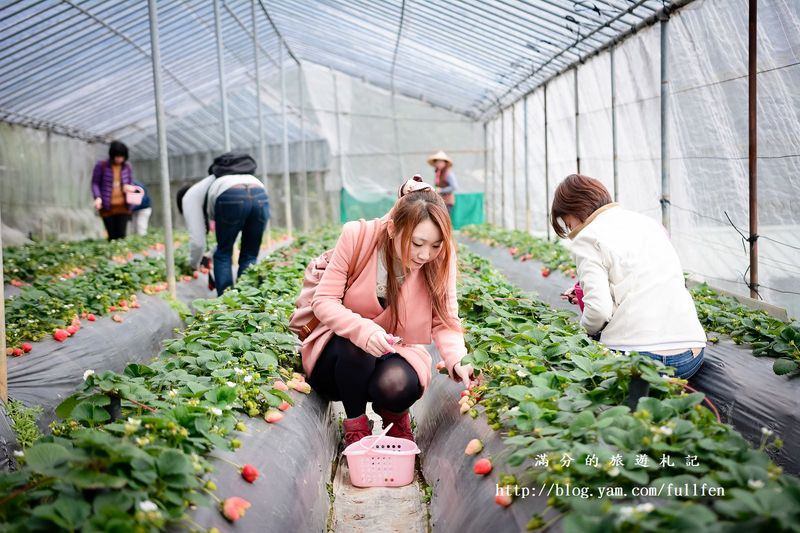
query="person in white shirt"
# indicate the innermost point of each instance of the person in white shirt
(237, 202)
(634, 293)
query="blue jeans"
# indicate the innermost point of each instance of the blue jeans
(685, 363)
(244, 211)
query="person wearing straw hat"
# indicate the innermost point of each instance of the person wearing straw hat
(446, 184)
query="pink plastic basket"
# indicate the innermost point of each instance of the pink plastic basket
(381, 461)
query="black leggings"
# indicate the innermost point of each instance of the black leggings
(116, 226)
(344, 372)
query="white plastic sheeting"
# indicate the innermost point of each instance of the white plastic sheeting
(561, 153)
(638, 104)
(518, 155)
(537, 200)
(374, 145)
(708, 139)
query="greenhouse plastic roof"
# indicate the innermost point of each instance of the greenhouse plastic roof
(82, 67)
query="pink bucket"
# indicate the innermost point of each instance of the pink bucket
(387, 463)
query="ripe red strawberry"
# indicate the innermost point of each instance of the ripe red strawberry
(16, 283)
(482, 467)
(135, 305)
(112, 308)
(84, 314)
(284, 405)
(513, 250)
(27, 347)
(60, 335)
(16, 352)
(545, 272)
(465, 392)
(72, 330)
(503, 499)
(123, 303)
(249, 473)
(195, 274)
(90, 317)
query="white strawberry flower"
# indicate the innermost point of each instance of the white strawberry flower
(216, 410)
(87, 374)
(147, 506)
(755, 484)
(248, 378)
(230, 384)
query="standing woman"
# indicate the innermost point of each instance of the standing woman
(634, 293)
(408, 290)
(109, 180)
(446, 184)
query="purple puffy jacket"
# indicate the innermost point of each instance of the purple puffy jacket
(103, 180)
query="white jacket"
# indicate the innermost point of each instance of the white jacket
(631, 278)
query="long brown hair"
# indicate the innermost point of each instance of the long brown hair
(407, 213)
(577, 195)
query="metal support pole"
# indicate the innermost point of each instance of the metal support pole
(527, 174)
(287, 184)
(303, 170)
(3, 356)
(161, 129)
(577, 127)
(546, 170)
(226, 131)
(614, 124)
(262, 137)
(502, 169)
(339, 141)
(752, 151)
(485, 171)
(513, 167)
(665, 196)
(262, 140)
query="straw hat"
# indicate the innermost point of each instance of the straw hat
(440, 155)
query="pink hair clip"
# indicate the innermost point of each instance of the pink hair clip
(413, 185)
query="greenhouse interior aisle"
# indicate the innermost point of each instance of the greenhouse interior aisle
(618, 179)
(363, 510)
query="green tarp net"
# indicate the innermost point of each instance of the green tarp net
(468, 209)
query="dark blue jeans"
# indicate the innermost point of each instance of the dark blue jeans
(244, 211)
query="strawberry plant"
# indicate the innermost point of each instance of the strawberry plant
(524, 246)
(554, 394)
(767, 335)
(67, 259)
(51, 304)
(130, 453)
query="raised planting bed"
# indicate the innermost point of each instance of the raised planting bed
(134, 450)
(767, 335)
(25, 264)
(745, 389)
(50, 304)
(552, 394)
